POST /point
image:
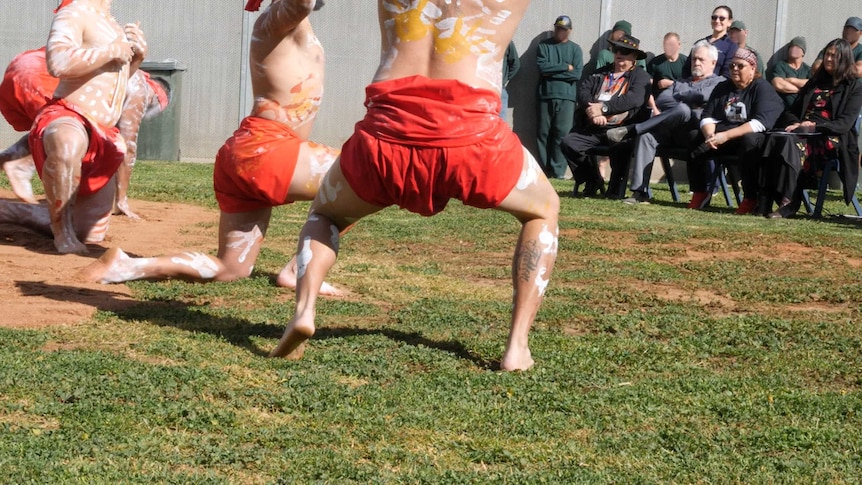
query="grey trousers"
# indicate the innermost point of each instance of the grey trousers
(667, 127)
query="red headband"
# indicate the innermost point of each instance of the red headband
(746, 55)
(253, 5)
(64, 3)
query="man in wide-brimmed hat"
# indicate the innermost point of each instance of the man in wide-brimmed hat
(613, 96)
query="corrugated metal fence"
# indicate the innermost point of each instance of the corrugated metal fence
(208, 37)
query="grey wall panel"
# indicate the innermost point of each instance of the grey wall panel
(819, 22)
(206, 37)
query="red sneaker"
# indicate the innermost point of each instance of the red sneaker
(747, 206)
(700, 200)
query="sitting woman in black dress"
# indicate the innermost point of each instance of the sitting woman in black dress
(828, 104)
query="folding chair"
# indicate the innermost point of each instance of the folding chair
(817, 211)
(665, 153)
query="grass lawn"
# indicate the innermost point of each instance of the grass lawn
(674, 346)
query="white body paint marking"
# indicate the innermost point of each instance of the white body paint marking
(206, 267)
(530, 174)
(126, 269)
(542, 284)
(549, 240)
(244, 240)
(328, 192)
(303, 258)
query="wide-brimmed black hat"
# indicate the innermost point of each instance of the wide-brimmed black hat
(630, 43)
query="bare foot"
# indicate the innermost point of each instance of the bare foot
(292, 343)
(20, 172)
(287, 279)
(66, 245)
(515, 360)
(100, 271)
(123, 208)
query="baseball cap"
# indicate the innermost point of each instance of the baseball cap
(737, 24)
(563, 22)
(854, 22)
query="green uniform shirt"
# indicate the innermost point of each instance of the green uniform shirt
(783, 70)
(606, 57)
(661, 68)
(556, 81)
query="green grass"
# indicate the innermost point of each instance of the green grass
(674, 346)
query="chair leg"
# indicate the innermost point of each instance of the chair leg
(722, 180)
(856, 205)
(668, 176)
(806, 199)
(821, 192)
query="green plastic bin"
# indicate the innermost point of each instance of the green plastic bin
(159, 137)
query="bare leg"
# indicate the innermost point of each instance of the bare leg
(65, 142)
(287, 279)
(20, 169)
(335, 208)
(124, 175)
(129, 130)
(313, 163)
(535, 203)
(240, 238)
(33, 216)
(90, 215)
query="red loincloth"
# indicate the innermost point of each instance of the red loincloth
(254, 167)
(425, 141)
(105, 150)
(26, 89)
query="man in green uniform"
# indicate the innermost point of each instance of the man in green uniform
(739, 33)
(789, 75)
(852, 33)
(605, 56)
(560, 64)
(666, 68)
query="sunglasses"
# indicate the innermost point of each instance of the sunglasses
(719, 17)
(737, 66)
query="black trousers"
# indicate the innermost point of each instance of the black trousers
(746, 164)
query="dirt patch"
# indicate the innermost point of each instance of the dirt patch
(38, 287)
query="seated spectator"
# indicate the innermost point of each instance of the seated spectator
(829, 104)
(613, 96)
(852, 33)
(666, 68)
(734, 122)
(620, 29)
(722, 17)
(788, 76)
(738, 33)
(677, 124)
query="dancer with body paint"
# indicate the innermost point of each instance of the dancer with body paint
(74, 140)
(267, 162)
(432, 133)
(27, 87)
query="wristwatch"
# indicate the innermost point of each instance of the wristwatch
(604, 108)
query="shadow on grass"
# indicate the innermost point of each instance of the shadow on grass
(236, 331)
